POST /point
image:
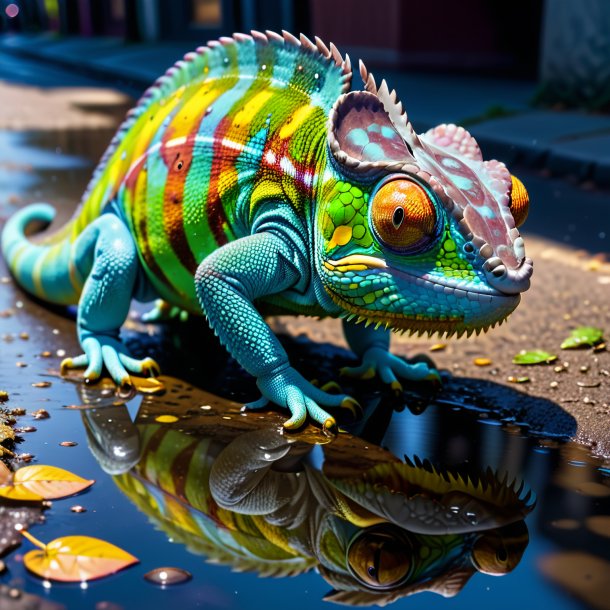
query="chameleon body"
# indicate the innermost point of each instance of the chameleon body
(248, 179)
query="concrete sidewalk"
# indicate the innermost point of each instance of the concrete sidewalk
(496, 111)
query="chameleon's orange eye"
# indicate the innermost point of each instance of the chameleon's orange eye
(519, 201)
(403, 216)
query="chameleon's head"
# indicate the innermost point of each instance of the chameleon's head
(417, 232)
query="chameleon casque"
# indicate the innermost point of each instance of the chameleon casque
(249, 179)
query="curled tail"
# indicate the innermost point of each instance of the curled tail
(46, 270)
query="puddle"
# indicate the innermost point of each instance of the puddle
(190, 484)
(187, 480)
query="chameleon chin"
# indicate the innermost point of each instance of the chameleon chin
(249, 173)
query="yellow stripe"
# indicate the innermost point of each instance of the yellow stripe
(295, 121)
(245, 116)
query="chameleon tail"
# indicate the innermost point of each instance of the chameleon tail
(46, 270)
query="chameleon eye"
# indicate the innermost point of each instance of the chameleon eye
(404, 216)
(519, 201)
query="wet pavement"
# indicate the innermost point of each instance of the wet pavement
(154, 457)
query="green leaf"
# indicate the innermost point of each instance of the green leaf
(536, 356)
(583, 336)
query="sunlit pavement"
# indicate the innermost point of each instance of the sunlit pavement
(53, 137)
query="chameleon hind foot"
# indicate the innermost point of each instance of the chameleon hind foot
(102, 351)
(378, 361)
(162, 311)
(287, 388)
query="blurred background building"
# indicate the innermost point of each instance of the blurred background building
(562, 43)
(479, 35)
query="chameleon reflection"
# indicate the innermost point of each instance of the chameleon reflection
(376, 529)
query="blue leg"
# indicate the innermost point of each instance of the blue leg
(373, 347)
(227, 283)
(107, 256)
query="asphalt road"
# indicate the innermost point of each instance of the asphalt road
(46, 157)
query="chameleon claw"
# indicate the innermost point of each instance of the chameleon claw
(332, 386)
(150, 367)
(292, 425)
(396, 387)
(330, 425)
(353, 406)
(91, 379)
(348, 371)
(65, 365)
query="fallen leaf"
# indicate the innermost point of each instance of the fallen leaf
(536, 356)
(482, 361)
(39, 482)
(583, 336)
(75, 558)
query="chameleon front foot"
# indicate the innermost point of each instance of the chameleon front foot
(287, 388)
(378, 361)
(108, 352)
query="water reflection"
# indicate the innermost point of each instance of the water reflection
(236, 489)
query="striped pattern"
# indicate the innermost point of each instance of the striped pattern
(237, 123)
(170, 484)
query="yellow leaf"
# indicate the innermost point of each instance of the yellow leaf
(76, 558)
(40, 482)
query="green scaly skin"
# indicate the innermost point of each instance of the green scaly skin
(247, 175)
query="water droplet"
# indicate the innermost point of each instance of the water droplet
(167, 576)
(472, 518)
(78, 509)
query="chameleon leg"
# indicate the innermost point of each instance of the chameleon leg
(373, 347)
(162, 311)
(227, 283)
(107, 257)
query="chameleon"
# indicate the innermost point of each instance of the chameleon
(249, 179)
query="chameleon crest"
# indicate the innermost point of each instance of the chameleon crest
(248, 178)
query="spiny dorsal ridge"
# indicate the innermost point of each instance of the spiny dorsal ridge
(241, 37)
(322, 47)
(307, 43)
(288, 37)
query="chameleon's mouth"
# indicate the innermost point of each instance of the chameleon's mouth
(493, 306)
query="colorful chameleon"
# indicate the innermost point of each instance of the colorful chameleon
(248, 175)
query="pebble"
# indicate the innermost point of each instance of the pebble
(41, 384)
(41, 414)
(68, 444)
(167, 576)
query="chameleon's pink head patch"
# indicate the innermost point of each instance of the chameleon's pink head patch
(369, 131)
(481, 189)
(362, 134)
